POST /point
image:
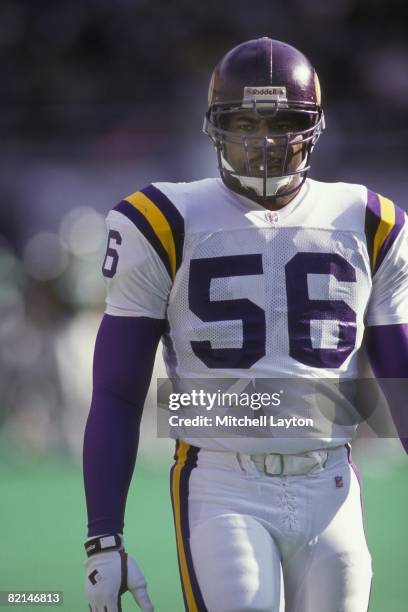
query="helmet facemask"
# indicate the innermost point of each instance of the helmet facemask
(262, 166)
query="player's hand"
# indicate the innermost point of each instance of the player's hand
(110, 574)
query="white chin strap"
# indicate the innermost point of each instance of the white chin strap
(273, 184)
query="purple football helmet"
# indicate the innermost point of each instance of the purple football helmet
(267, 80)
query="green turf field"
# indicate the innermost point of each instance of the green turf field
(43, 529)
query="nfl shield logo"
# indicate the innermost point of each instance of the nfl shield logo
(339, 481)
(271, 216)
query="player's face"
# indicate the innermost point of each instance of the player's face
(255, 130)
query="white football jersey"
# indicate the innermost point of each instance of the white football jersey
(250, 293)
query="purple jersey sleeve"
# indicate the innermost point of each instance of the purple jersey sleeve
(387, 349)
(123, 362)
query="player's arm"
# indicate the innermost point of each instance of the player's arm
(138, 270)
(386, 336)
(123, 362)
(387, 350)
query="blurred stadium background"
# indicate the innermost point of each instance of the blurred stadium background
(97, 100)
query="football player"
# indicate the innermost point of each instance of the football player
(261, 273)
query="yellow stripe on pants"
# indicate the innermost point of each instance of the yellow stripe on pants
(181, 460)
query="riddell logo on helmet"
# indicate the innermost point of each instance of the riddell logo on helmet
(265, 97)
(270, 92)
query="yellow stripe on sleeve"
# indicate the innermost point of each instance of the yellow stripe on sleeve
(385, 226)
(159, 224)
(181, 460)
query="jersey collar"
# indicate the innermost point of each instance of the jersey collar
(250, 205)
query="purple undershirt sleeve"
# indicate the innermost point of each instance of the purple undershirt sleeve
(123, 362)
(387, 349)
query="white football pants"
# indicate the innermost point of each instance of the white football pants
(248, 541)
